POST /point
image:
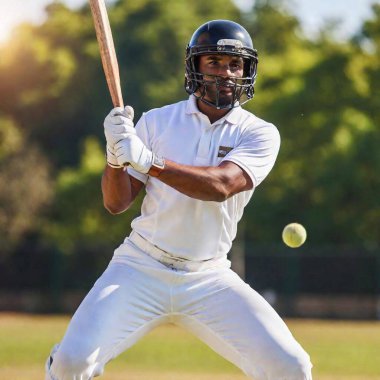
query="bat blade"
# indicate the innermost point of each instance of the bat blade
(107, 50)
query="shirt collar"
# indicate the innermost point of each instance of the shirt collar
(232, 117)
(192, 106)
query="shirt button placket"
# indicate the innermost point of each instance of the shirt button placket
(204, 145)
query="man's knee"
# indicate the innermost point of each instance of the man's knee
(295, 366)
(72, 364)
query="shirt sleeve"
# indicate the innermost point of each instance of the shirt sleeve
(142, 132)
(256, 151)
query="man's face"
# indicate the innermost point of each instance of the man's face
(225, 67)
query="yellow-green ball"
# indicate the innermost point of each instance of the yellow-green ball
(294, 235)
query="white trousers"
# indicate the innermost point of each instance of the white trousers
(137, 293)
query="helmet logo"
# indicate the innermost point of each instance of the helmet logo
(227, 41)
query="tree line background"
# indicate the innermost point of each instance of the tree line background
(323, 94)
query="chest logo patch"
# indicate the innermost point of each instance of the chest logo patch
(224, 150)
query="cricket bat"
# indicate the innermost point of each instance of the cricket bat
(107, 50)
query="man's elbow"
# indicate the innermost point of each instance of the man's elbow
(220, 193)
(227, 188)
(221, 196)
(115, 209)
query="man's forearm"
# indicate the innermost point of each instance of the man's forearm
(117, 190)
(207, 183)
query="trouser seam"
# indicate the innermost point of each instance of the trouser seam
(116, 351)
(218, 336)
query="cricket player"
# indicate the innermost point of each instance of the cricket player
(199, 161)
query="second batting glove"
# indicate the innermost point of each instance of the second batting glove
(133, 151)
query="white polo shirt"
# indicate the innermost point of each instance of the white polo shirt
(183, 226)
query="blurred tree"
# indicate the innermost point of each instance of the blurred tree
(366, 72)
(37, 94)
(371, 29)
(78, 221)
(25, 187)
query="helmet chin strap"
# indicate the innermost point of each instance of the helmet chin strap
(218, 107)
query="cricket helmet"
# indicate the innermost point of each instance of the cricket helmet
(221, 37)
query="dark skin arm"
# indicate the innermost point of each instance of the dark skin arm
(119, 189)
(206, 183)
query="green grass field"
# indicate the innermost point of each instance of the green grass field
(339, 351)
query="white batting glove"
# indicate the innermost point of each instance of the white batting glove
(131, 150)
(117, 125)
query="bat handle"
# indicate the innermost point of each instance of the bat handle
(116, 95)
(117, 100)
